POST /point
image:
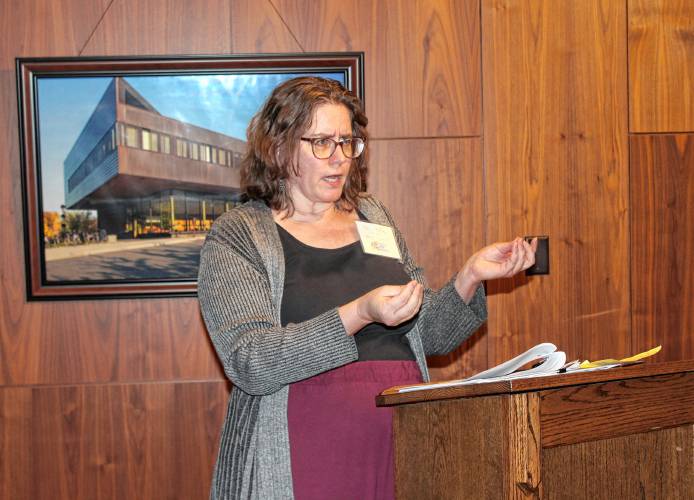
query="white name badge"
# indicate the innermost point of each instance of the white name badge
(378, 240)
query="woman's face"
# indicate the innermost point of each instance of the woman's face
(322, 181)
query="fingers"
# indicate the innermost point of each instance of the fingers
(502, 259)
(408, 296)
(523, 255)
(533, 244)
(517, 256)
(499, 251)
(403, 294)
(414, 302)
(530, 249)
(505, 247)
(396, 290)
(403, 306)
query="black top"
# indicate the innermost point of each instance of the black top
(319, 279)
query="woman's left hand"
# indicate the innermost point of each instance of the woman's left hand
(498, 260)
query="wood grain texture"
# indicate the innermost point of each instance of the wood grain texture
(256, 27)
(459, 449)
(556, 164)
(657, 465)
(661, 65)
(555, 110)
(494, 446)
(78, 341)
(41, 28)
(620, 408)
(114, 341)
(392, 397)
(434, 188)
(154, 441)
(83, 342)
(30, 29)
(422, 63)
(131, 27)
(662, 219)
(523, 440)
(486, 448)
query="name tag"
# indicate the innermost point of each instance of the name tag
(378, 240)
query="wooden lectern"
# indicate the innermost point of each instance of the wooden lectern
(623, 433)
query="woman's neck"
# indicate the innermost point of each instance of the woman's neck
(328, 227)
(309, 213)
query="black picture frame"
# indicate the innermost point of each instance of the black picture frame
(141, 181)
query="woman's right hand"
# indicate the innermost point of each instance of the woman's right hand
(390, 305)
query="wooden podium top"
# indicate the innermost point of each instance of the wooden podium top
(647, 369)
(616, 433)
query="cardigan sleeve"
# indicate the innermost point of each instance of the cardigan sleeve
(258, 355)
(445, 320)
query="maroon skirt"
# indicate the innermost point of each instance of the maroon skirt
(341, 443)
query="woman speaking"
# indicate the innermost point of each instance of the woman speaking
(315, 305)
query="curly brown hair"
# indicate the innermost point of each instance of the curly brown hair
(274, 135)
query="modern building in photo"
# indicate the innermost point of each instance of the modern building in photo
(146, 174)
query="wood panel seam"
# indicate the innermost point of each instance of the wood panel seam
(289, 30)
(675, 132)
(96, 27)
(118, 383)
(628, 82)
(432, 137)
(630, 324)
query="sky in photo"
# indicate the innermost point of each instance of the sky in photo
(223, 103)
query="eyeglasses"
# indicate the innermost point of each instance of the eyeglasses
(324, 147)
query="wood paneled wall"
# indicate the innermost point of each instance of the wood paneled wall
(661, 146)
(555, 121)
(662, 229)
(490, 119)
(661, 65)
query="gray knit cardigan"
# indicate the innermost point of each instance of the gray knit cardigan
(240, 286)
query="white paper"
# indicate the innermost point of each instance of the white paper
(550, 359)
(510, 366)
(378, 240)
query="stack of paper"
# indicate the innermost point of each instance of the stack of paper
(548, 360)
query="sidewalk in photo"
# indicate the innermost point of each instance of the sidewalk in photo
(70, 252)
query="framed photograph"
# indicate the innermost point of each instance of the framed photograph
(127, 162)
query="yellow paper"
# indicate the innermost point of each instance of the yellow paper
(631, 359)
